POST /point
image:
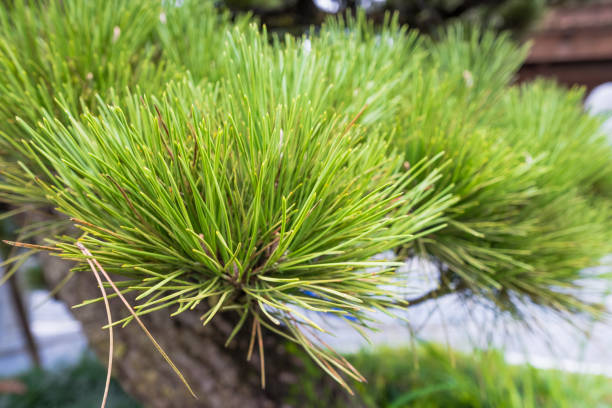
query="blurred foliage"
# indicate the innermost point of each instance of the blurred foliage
(424, 376)
(78, 386)
(515, 15)
(429, 376)
(517, 163)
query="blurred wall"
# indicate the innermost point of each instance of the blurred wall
(573, 45)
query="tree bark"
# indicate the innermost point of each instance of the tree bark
(219, 375)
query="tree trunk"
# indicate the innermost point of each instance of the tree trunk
(220, 376)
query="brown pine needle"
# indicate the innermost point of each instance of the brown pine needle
(110, 322)
(261, 354)
(334, 374)
(32, 246)
(126, 198)
(252, 341)
(163, 126)
(89, 224)
(140, 323)
(355, 119)
(339, 358)
(195, 145)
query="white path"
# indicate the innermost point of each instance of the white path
(57, 334)
(582, 345)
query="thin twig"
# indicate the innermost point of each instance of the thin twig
(18, 301)
(432, 294)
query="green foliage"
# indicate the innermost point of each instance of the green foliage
(530, 212)
(429, 376)
(85, 49)
(192, 35)
(73, 51)
(193, 200)
(425, 376)
(540, 118)
(78, 386)
(266, 175)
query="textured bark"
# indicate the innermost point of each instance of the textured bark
(220, 376)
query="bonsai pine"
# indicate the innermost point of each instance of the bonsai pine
(229, 183)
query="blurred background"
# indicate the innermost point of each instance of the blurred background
(44, 359)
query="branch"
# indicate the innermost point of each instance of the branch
(432, 294)
(443, 289)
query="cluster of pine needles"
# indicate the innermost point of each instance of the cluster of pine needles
(210, 165)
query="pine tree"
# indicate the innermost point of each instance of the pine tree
(232, 182)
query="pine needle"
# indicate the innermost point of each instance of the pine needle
(110, 321)
(135, 316)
